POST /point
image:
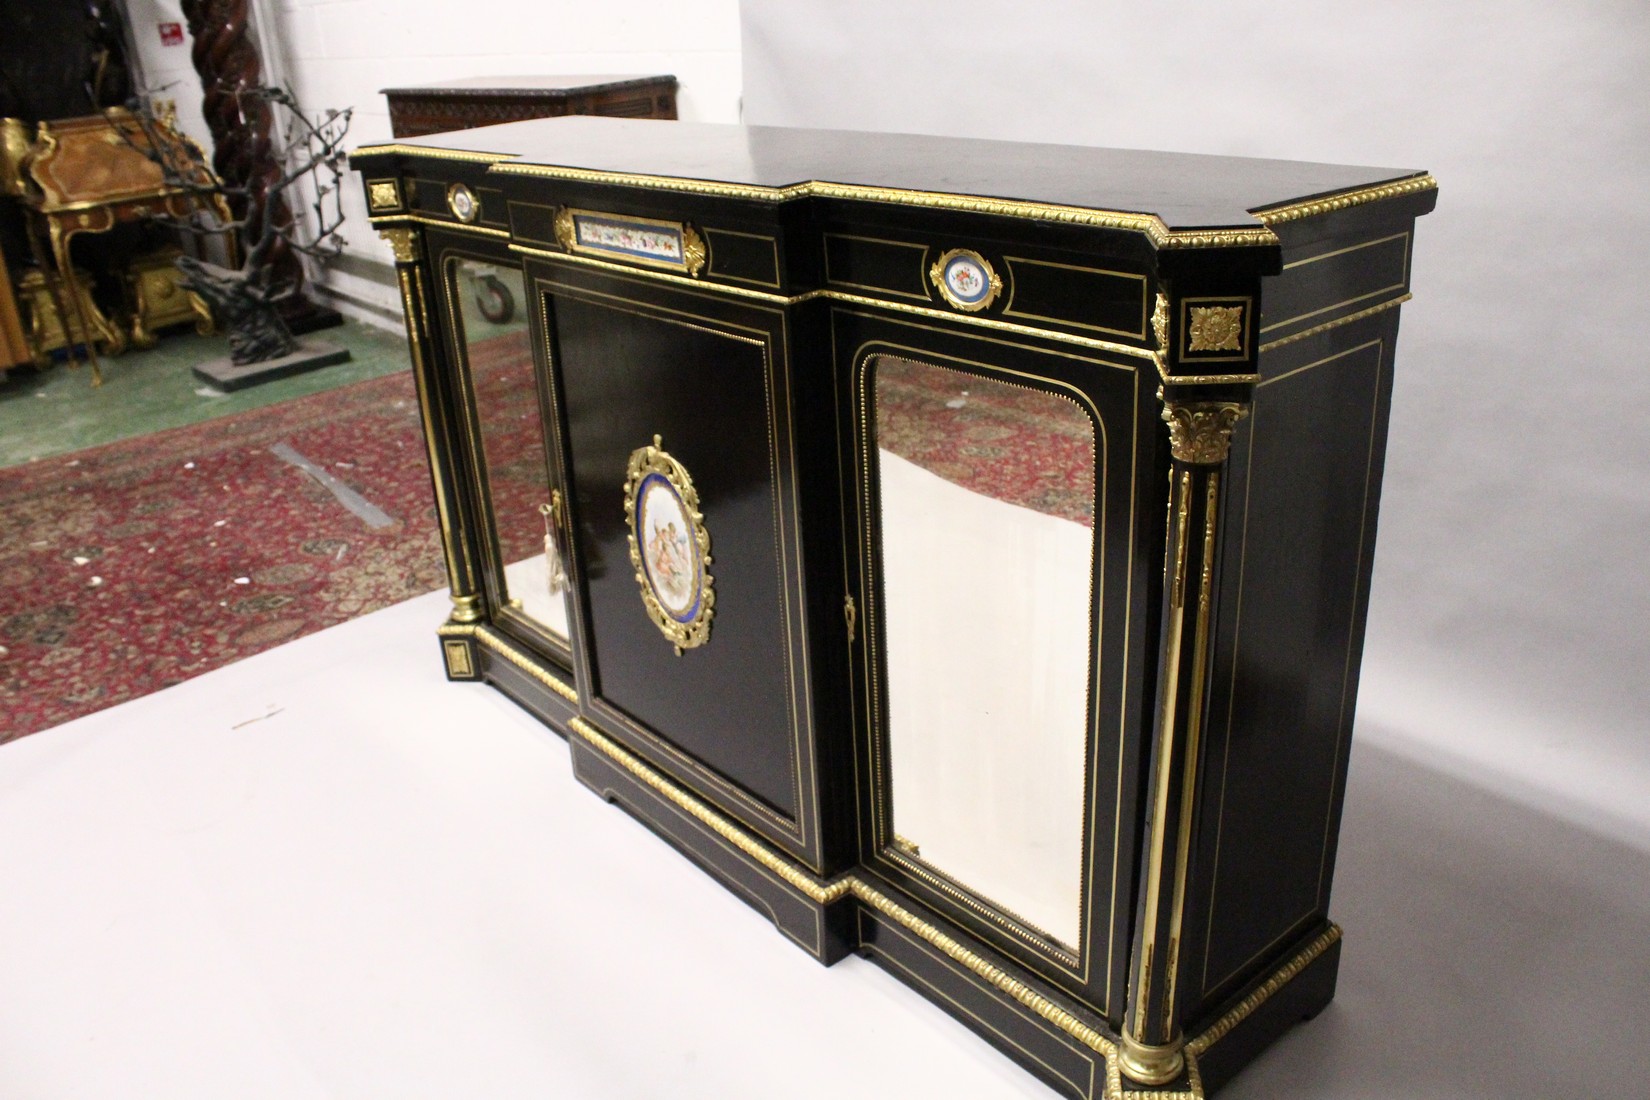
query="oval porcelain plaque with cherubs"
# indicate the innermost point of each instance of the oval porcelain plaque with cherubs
(669, 546)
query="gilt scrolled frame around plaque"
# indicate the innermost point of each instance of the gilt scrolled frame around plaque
(694, 253)
(654, 459)
(993, 281)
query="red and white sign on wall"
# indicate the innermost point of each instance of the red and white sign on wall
(171, 34)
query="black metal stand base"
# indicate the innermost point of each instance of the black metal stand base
(311, 354)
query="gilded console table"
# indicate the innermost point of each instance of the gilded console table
(962, 549)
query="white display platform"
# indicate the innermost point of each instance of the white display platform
(327, 872)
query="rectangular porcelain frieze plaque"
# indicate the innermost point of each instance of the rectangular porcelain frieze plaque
(673, 245)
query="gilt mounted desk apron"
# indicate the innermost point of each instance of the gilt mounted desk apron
(960, 548)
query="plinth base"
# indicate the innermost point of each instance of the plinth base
(225, 374)
(305, 316)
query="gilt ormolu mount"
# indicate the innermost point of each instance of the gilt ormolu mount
(1050, 495)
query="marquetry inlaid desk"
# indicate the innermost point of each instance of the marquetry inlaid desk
(960, 549)
(89, 174)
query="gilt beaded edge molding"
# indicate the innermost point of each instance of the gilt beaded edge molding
(669, 546)
(1153, 227)
(1295, 211)
(502, 645)
(829, 892)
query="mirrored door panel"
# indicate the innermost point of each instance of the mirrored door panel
(986, 517)
(491, 309)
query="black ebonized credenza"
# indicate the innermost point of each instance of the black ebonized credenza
(960, 549)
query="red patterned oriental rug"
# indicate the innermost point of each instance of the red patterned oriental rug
(1014, 444)
(133, 566)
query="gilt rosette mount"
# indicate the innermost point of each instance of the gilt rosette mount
(669, 546)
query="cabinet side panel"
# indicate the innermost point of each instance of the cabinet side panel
(1295, 588)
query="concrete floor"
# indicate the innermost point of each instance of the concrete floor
(56, 410)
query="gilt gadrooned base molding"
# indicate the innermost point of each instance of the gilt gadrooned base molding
(1115, 1053)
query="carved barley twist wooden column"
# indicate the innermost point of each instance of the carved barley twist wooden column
(244, 150)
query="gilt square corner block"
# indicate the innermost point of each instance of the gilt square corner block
(960, 548)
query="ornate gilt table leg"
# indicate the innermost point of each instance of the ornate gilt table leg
(80, 314)
(462, 574)
(1200, 433)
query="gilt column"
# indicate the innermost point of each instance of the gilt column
(435, 406)
(1201, 411)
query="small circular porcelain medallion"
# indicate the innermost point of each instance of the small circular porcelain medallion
(965, 280)
(463, 203)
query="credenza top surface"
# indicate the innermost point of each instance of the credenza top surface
(1186, 191)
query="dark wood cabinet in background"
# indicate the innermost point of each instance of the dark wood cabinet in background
(489, 100)
(961, 549)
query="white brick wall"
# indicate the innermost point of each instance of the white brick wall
(340, 53)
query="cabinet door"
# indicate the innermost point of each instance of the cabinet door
(504, 413)
(1000, 568)
(677, 418)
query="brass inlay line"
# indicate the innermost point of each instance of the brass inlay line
(939, 996)
(1403, 278)
(773, 245)
(994, 975)
(797, 747)
(986, 322)
(1336, 323)
(1194, 736)
(1295, 211)
(1009, 310)
(664, 276)
(1359, 247)
(814, 888)
(1003, 919)
(465, 604)
(920, 249)
(1246, 1007)
(824, 893)
(441, 223)
(1214, 881)
(1175, 578)
(861, 300)
(496, 642)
